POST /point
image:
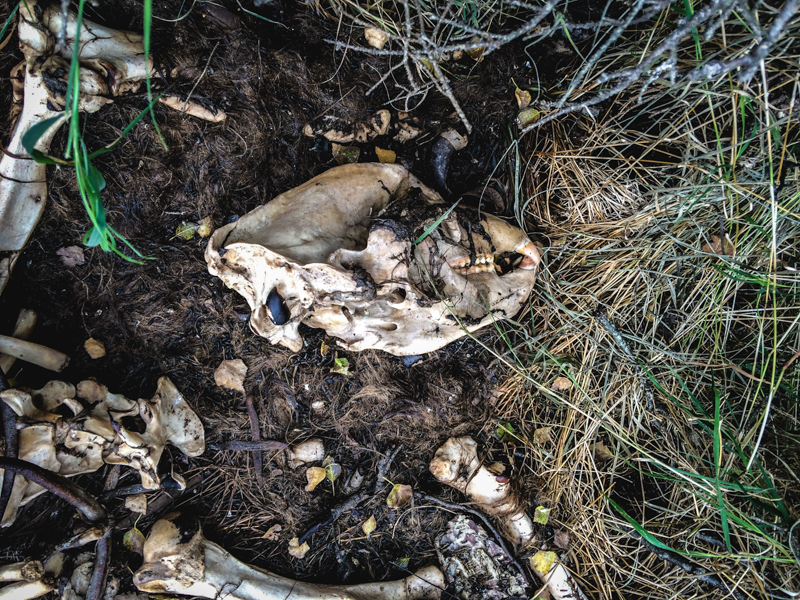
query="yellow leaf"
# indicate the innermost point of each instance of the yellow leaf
(562, 384)
(523, 98)
(542, 435)
(527, 116)
(399, 496)
(385, 156)
(324, 349)
(315, 476)
(186, 230)
(369, 525)
(296, 550)
(602, 453)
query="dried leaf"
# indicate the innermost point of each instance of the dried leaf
(345, 154)
(136, 503)
(94, 348)
(602, 453)
(376, 38)
(540, 515)
(340, 366)
(527, 116)
(296, 550)
(230, 374)
(561, 384)
(476, 54)
(523, 98)
(315, 476)
(133, 540)
(400, 495)
(185, 230)
(205, 227)
(71, 256)
(386, 156)
(369, 525)
(324, 349)
(561, 539)
(716, 246)
(273, 533)
(542, 435)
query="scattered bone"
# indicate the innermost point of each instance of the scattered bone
(456, 464)
(81, 443)
(23, 329)
(306, 251)
(312, 450)
(381, 121)
(376, 38)
(194, 109)
(27, 590)
(560, 584)
(94, 348)
(179, 560)
(30, 570)
(47, 358)
(230, 374)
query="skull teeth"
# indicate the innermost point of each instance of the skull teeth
(483, 263)
(532, 258)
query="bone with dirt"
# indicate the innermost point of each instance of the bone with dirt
(179, 560)
(29, 570)
(360, 252)
(456, 464)
(560, 584)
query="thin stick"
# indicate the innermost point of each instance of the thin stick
(248, 446)
(57, 484)
(258, 463)
(45, 357)
(97, 584)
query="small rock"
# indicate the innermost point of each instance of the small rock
(94, 348)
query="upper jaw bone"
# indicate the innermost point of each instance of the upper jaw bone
(179, 560)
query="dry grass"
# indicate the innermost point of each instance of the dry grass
(632, 204)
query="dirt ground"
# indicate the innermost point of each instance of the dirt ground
(170, 317)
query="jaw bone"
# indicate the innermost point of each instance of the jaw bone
(341, 252)
(83, 442)
(179, 560)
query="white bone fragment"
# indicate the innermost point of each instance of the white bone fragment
(30, 570)
(312, 450)
(37, 354)
(22, 331)
(26, 590)
(561, 585)
(179, 560)
(81, 443)
(456, 464)
(193, 108)
(339, 253)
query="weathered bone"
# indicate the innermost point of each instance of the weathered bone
(179, 560)
(45, 357)
(29, 570)
(338, 253)
(22, 331)
(83, 442)
(456, 464)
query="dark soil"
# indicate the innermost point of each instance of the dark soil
(168, 316)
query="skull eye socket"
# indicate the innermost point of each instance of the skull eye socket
(278, 311)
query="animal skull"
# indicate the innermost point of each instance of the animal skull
(83, 442)
(370, 254)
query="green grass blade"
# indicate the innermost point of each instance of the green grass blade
(148, 21)
(435, 224)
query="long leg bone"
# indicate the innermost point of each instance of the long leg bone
(179, 560)
(22, 331)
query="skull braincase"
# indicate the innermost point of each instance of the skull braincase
(370, 254)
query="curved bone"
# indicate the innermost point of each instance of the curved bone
(22, 331)
(456, 464)
(339, 252)
(179, 560)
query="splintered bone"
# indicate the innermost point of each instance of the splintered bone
(372, 256)
(179, 560)
(84, 441)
